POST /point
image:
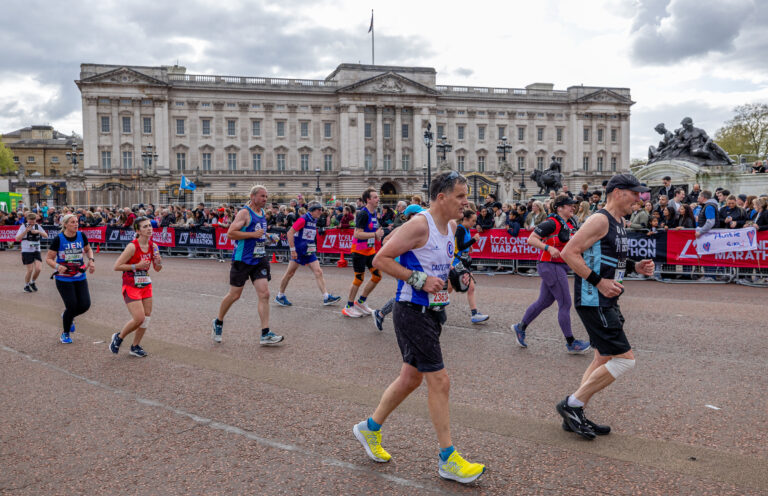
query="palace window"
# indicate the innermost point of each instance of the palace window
(559, 133)
(127, 160)
(179, 126)
(305, 162)
(327, 128)
(460, 132)
(406, 162)
(104, 123)
(521, 163)
(231, 125)
(257, 161)
(106, 161)
(328, 162)
(460, 163)
(304, 128)
(539, 134)
(256, 129)
(614, 135)
(599, 135)
(368, 130)
(281, 162)
(368, 162)
(281, 129)
(586, 134)
(181, 161)
(232, 161)
(540, 163)
(502, 131)
(126, 124)
(207, 162)
(521, 133)
(405, 131)
(480, 133)
(387, 162)
(585, 163)
(147, 121)
(387, 130)
(481, 163)
(206, 127)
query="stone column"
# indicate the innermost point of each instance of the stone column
(162, 143)
(379, 137)
(398, 138)
(361, 136)
(346, 158)
(117, 158)
(91, 125)
(622, 161)
(576, 150)
(418, 145)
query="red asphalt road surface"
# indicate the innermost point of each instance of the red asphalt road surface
(236, 418)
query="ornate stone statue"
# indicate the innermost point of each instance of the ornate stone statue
(554, 166)
(688, 143)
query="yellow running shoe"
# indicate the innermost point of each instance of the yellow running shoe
(371, 441)
(458, 469)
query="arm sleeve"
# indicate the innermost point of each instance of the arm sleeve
(299, 224)
(460, 239)
(54, 243)
(361, 219)
(85, 241)
(546, 228)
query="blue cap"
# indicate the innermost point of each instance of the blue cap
(413, 209)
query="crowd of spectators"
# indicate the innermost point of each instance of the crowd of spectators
(668, 208)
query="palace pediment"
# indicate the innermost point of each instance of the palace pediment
(124, 75)
(389, 83)
(604, 96)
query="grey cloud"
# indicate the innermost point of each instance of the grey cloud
(463, 71)
(665, 32)
(245, 39)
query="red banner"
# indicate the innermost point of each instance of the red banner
(498, 244)
(95, 234)
(8, 233)
(222, 241)
(164, 236)
(338, 241)
(681, 250)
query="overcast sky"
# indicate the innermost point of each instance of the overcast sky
(696, 58)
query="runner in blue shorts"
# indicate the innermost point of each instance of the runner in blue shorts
(302, 238)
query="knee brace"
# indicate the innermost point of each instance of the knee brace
(359, 276)
(618, 366)
(145, 325)
(375, 275)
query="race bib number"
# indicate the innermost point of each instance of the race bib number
(73, 255)
(141, 279)
(259, 249)
(309, 234)
(439, 299)
(34, 245)
(311, 248)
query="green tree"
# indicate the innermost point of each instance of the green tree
(747, 132)
(6, 159)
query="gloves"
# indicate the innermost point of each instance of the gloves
(456, 276)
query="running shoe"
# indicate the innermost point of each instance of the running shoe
(282, 301)
(519, 335)
(371, 441)
(27, 288)
(578, 347)
(331, 300)
(270, 339)
(33, 286)
(351, 312)
(114, 345)
(216, 333)
(378, 319)
(64, 338)
(138, 351)
(363, 308)
(600, 430)
(480, 318)
(574, 417)
(458, 469)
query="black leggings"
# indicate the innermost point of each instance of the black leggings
(76, 299)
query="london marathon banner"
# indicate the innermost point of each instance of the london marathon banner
(94, 234)
(195, 237)
(682, 245)
(499, 244)
(278, 243)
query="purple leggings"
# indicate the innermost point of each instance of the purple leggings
(554, 287)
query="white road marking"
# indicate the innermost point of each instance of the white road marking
(210, 423)
(713, 407)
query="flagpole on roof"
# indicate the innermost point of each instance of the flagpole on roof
(370, 30)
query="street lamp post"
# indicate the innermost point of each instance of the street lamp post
(428, 140)
(74, 157)
(443, 146)
(149, 155)
(504, 148)
(318, 191)
(424, 186)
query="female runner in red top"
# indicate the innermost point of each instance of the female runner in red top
(134, 263)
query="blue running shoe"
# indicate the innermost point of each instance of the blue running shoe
(65, 339)
(480, 318)
(114, 345)
(216, 332)
(330, 300)
(578, 347)
(378, 319)
(519, 335)
(282, 301)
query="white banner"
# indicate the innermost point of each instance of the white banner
(727, 240)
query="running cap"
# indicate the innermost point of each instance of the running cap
(314, 206)
(413, 209)
(625, 181)
(565, 200)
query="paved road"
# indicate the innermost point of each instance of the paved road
(235, 418)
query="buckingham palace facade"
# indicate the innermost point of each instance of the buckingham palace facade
(361, 126)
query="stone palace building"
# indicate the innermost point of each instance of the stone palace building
(361, 126)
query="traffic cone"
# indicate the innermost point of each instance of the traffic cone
(98, 248)
(341, 263)
(274, 258)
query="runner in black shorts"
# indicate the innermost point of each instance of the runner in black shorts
(597, 254)
(29, 235)
(425, 246)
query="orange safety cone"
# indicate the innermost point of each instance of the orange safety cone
(341, 263)
(98, 248)
(274, 258)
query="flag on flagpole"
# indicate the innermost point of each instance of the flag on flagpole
(371, 28)
(187, 184)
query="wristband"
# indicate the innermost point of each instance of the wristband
(133, 267)
(593, 278)
(417, 279)
(546, 247)
(56, 268)
(293, 249)
(91, 259)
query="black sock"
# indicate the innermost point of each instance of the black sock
(522, 326)
(219, 322)
(265, 331)
(474, 311)
(570, 340)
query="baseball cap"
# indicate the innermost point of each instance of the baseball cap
(563, 201)
(625, 181)
(412, 209)
(314, 206)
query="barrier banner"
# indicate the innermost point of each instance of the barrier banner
(94, 234)
(224, 243)
(119, 235)
(8, 233)
(498, 244)
(196, 237)
(643, 245)
(338, 241)
(164, 236)
(681, 250)
(727, 240)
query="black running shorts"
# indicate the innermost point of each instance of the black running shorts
(418, 336)
(30, 256)
(361, 262)
(241, 272)
(605, 326)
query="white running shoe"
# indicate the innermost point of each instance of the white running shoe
(363, 308)
(351, 312)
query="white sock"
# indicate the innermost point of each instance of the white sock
(574, 402)
(32, 281)
(326, 295)
(280, 295)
